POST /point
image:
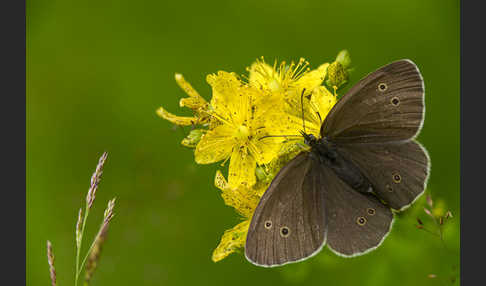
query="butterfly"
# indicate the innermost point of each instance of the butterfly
(342, 191)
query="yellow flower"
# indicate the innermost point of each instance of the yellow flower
(247, 123)
(289, 82)
(245, 201)
(277, 90)
(243, 114)
(316, 107)
(195, 102)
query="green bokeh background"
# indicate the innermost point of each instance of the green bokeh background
(98, 70)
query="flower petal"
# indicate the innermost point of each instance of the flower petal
(241, 169)
(321, 102)
(242, 199)
(215, 145)
(230, 100)
(264, 105)
(196, 100)
(313, 79)
(178, 120)
(220, 182)
(265, 150)
(315, 111)
(193, 103)
(261, 74)
(308, 81)
(231, 241)
(286, 123)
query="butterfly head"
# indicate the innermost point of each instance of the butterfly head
(309, 139)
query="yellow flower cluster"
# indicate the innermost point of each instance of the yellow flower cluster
(244, 122)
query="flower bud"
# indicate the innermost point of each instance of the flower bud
(344, 58)
(338, 71)
(193, 138)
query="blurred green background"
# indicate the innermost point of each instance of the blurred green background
(98, 70)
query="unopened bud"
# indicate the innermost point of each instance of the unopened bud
(344, 58)
(193, 138)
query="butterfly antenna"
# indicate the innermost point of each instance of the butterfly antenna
(320, 118)
(302, 105)
(278, 136)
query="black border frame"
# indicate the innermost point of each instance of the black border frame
(472, 101)
(13, 118)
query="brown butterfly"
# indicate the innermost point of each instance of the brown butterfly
(342, 192)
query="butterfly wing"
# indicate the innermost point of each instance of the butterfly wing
(356, 222)
(398, 171)
(387, 105)
(384, 110)
(289, 222)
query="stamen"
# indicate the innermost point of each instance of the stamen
(217, 116)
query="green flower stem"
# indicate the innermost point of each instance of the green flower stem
(89, 250)
(78, 251)
(441, 233)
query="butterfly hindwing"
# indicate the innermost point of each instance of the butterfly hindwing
(356, 222)
(289, 222)
(387, 105)
(398, 171)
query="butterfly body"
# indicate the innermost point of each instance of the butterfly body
(328, 155)
(364, 164)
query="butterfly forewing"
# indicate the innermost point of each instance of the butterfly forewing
(387, 105)
(356, 222)
(289, 222)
